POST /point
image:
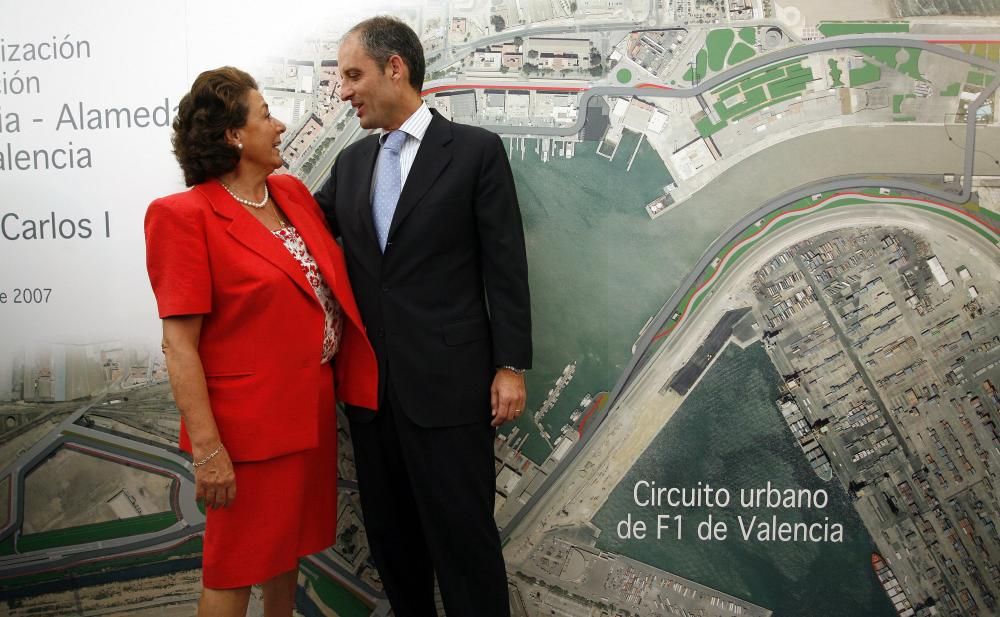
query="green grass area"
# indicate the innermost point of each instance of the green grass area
(753, 82)
(719, 52)
(761, 88)
(889, 56)
(697, 72)
(835, 73)
(761, 71)
(706, 128)
(7, 546)
(873, 192)
(96, 532)
(911, 67)
(952, 90)
(962, 220)
(624, 76)
(768, 104)
(989, 51)
(795, 82)
(5, 488)
(745, 234)
(190, 548)
(984, 213)
(686, 306)
(885, 55)
(335, 597)
(754, 98)
(897, 102)
(741, 53)
(904, 118)
(718, 43)
(839, 28)
(682, 306)
(980, 79)
(729, 93)
(867, 74)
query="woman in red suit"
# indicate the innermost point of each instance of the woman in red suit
(261, 335)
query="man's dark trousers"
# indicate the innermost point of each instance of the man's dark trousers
(397, 460)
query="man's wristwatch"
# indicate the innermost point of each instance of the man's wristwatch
(513, 369)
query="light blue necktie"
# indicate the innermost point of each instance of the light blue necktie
(388, 185)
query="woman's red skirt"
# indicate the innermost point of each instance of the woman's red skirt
(285, 508)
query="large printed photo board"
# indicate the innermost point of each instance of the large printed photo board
(762, 243)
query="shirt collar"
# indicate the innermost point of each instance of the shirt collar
(415, 126)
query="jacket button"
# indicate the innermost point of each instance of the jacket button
(380, 333)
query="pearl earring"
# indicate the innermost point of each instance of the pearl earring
(239, 146)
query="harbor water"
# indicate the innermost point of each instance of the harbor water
(729, 434)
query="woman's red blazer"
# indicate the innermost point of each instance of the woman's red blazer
(262, 335)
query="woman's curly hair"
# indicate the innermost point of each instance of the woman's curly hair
(217, 102)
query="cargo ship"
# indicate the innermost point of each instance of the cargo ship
(892, 587)
(805, 437)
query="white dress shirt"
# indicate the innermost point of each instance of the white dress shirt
(414, 127)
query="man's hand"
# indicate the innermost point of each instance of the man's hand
(507, 396)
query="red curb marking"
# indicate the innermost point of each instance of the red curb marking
(593, 408)
(660, 335)
(501, 87)
(130, 555)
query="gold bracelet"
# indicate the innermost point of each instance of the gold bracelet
(207, 458)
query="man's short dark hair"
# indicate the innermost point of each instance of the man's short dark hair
(385, 36)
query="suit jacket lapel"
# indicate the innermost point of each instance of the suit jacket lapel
(252, 234)
(432, 158)
(308, 228)
(364, 192)
(313, 233)
(322, 247)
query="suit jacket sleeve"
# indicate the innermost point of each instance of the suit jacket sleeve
(326, 197)
(177, 259)
(505, 264)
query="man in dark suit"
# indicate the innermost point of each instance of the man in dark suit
(429, 219)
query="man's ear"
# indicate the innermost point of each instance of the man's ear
(398, 68)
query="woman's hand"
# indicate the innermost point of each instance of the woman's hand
(215, 481)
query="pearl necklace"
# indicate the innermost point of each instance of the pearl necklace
(253, 204)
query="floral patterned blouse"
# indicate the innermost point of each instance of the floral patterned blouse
(334, 325)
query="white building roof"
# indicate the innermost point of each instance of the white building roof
(937, 270)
